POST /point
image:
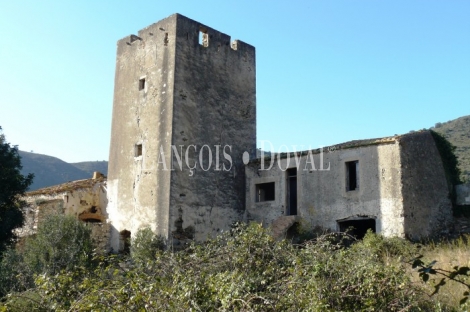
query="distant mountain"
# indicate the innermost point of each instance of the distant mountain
(92, 166)
(50, 170)
(457, 131)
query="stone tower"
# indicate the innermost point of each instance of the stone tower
(184, 113)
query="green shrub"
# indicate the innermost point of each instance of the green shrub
(449, 161)
(61, 242)
(243, 270)
(146, 245)
(15, 276)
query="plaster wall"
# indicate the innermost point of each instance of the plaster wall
(323, 199)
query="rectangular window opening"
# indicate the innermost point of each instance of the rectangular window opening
(352, 175)
(138, 150)
(141, 84)
(265, 192)
(203, 37)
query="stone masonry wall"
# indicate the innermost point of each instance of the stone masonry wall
(426, 198)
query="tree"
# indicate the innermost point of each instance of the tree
(13, 185)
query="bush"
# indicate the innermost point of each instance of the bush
(242, 270)
(61, 242)
(146, 245)
(15, 276)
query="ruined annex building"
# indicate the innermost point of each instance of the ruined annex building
(183, 154)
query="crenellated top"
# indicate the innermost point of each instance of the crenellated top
(183, 29)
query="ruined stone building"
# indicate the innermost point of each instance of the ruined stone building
(395, 186)
(184, 130)
(85, 199)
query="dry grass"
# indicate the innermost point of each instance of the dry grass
(447, 255)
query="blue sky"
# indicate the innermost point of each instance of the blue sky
(327, 71)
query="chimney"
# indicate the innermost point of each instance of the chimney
(97, 175)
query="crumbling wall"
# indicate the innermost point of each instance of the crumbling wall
(100, 233)
(84, 199)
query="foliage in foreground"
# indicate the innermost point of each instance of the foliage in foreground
(241, 270)
(62, 243)
(12, 186)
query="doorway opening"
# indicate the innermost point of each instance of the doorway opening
(291, 192)
(357, 226)
(125, 242)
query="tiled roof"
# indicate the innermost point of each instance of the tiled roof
(69, 186)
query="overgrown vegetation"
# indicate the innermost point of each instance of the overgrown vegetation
(62, 243)
(449, 159)
(457, 132)
(451, 165)
(442, 260)
(242, 270)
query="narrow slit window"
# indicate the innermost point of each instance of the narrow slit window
(165, 40)
(138, 150)
(352, 175)
(141, 84)
(265, 192)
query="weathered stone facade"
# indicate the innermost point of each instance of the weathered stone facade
(399, 187)
(183, 128)
(84, 199)
(182, 90)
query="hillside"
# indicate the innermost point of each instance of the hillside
(457, 131)
(92, 166)
(50, 170)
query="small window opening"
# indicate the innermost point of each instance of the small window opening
(138, 150)
(265, 192)
(93, 209)
(165, 40)
(125, 242)
(203, 37)
(141, 84)
(352, 175)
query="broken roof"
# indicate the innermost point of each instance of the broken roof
(69, 186)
